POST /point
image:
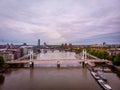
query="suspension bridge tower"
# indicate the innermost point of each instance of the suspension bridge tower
(31, 63)
(84, 57)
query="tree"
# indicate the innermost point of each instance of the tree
(109, 57)
(116, 60)
(1, 61)
(96, 52)
(100, 55)
(105, 54)
(78, 51)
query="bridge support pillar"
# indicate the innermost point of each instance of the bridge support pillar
(58, 64)
(83, 64)
(31, 64)
(84, 57)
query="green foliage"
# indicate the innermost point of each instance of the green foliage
(116, 60)
(1, 61)
(88, 49)
(102, 54)
(79, 50)
(99, 53)
(109, 57)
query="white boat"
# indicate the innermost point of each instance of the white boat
(95, 75)
(100, 74)
(104, 85)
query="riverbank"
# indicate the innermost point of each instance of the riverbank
(117, 67)
(105, 68)
(4, 68)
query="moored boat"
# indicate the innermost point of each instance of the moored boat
(95, 75)
(100, 74)
(104, 85)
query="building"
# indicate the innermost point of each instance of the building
(39, 42)
(113, 51)
(24, 50)
(8, 56)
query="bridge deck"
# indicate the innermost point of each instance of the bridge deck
(55, 60)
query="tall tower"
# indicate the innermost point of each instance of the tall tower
(38, 42)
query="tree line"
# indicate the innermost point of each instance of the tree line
(3, 65)
(103, 54)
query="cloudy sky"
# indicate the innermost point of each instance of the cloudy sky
(60, 21)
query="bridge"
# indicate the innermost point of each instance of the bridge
(56, 60)
(83, 59)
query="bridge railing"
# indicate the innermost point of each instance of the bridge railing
(94, 57)
(25, 56)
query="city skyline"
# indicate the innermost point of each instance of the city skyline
(60, 21)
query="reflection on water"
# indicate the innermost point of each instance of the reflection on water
(2, 78)
(50, 79)
(54, 79)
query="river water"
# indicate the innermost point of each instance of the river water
(52, 78)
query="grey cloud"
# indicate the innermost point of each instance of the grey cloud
(67, 20)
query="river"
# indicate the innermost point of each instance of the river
(52, 78)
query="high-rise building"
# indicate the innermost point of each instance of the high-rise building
(104, 43)
(45, 44)
(38, 42)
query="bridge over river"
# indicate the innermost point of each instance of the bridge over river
(56, 62)
(45, 78)
(83, 59)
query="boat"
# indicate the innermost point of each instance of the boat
(104, 85)
(100, 74)
(95, 75)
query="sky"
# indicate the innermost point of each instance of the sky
(60, 21)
